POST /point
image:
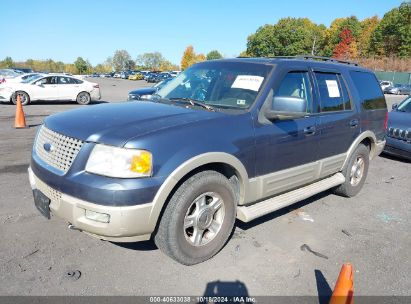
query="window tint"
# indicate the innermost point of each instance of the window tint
(48, 80)
(75, 80)
(370, 92)
(332, 95)
(65, 80)
(296, 84)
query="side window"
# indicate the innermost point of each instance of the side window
(63, 80)
(76, 81)
(370, 92)
(297, 85)
(333, 93)
(46, 80)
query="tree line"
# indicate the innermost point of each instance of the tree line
(120, 61)
(346, 38)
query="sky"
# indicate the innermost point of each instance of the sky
(94, 29)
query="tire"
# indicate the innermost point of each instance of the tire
(355, 172)
(83, 98)
(193, 228)
(24, 97)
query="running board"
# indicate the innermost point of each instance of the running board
(249, 213)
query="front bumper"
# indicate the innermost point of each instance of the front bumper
(398, 147)
(126, 224)
(5, 95)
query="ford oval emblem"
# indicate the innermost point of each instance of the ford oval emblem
(48, 147)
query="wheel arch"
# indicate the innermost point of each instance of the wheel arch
(367, 138)
(221, 162)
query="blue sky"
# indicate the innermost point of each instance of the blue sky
(64, 30)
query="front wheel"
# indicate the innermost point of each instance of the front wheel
(355, 172)
(198, 219)
(83, 98)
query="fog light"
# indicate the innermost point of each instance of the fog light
(97, 216)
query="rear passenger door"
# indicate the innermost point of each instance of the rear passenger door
(67, 87)
(339, 122)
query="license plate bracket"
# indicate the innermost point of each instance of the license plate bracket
(42, 203)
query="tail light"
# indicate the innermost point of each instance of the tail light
(386, 121)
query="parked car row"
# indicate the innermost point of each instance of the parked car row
(149, 76)
(398, 89)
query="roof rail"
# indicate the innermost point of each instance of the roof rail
(311, 57)
(307, 57)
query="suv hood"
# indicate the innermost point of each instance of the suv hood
(401, 120)
(115, 124)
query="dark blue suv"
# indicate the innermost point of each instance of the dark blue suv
(226, 139)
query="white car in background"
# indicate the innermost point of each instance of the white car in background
(8, 74)
(22, 77)
(51, 87)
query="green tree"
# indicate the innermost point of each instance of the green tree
(368, 26)
(81, 65)
(392, 36)
(8, 62)
(214, 54)
(152, 61)
(288, 37)
(121, 60)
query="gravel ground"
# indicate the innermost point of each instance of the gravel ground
(279, 254)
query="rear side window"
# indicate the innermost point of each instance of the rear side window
(333, 92)
(369, 90)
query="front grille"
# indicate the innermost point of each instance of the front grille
(399, 134)
(62, 149)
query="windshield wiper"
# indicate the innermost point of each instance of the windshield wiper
(193, 102)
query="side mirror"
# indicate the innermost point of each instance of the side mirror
(395, 106)
(287, 107)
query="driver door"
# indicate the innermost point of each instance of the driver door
(45, 89)
(287, 149)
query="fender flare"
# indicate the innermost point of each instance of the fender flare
(187, 167)
(366, 134)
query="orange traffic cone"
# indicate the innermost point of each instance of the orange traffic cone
(20, 121)
(344, 288)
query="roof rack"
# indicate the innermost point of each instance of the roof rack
(311, 57)
(319, 58)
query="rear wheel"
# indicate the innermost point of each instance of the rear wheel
(83, 98)
(24, 98)
(355, 172)
(198, 219)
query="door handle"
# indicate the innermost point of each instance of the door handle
(354, 123)
(309, 130)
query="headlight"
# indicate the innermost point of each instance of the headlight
(119, 162)
(133, 97)
(145, 97)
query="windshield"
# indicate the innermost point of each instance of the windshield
(405, 106)
(31, 78)
(218, 84)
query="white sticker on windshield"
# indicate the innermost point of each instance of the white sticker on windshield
(332, 87)
(247, 82)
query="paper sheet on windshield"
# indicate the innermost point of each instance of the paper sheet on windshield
(332, 87)
(247, 82)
